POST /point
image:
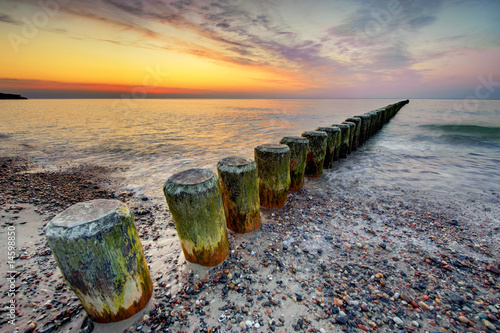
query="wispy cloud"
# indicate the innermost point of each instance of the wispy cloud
(7, 19)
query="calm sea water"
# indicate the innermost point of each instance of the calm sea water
(430, 144)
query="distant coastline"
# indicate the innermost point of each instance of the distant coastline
(11, 96)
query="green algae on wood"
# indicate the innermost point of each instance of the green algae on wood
(352, 131)
(299, 147)
(273, 165)
(333, 134)
(195, 201)
(240, 193)
(364, 128)
(97, 249)
(344, 140)
(316, 154)
(357, 133)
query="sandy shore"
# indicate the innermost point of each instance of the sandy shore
(341, 256)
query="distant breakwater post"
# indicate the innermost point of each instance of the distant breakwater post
(97, 249)
(273, 165)
(299, 147)
(195, 200)
(332, 144)
(352, 133)
(357, 132)
(316, 154)
(239, 182)
(344, 139)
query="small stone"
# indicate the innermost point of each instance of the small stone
(415, 323)
(463, 319)
(362, 327)
(242, 325)
(488, 325)
(398, 321)
(257, 325)
(423, 305)
(338, 302)
(364, 307)
(145, 318)
(493, 269)
(30, 328)
(406, 298)
(248, 323)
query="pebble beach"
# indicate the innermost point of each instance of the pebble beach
(342, 256)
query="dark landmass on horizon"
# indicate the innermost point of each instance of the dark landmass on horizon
(11, 96)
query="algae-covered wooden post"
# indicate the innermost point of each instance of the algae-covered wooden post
(316, 154)
(344, 140)
(357, 133)
(332, 133)
(337, 143)
(240, 193)
(195, 201)
(273, 165)
(363, 135)
(98, 251)
(299, 147)
(352, 131)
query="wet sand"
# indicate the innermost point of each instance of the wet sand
(341, 256)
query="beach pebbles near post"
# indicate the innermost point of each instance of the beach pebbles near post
(97, 248)
(195, 200)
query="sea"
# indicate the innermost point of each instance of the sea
(435, 145)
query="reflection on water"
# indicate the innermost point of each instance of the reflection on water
(428, 144)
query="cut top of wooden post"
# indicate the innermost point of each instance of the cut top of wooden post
(294, 139)
(87, 218)
(236, 164)
(185, 181)
(273, 148)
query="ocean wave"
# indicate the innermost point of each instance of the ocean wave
(465, 129)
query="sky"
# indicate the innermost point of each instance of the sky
(250, 48)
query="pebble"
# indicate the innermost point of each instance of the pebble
(398, 321)
(488, 325)
(463, 319)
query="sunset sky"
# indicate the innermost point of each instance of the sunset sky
(250, 48)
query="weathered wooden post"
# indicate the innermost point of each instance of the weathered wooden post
(364, 128)
(357, 133)
(273, 165)
(352, 131)
(195, 201)
(98, 251)
(344, 139)
(332, 133)
(299, 147)
(337, 143)
(240, 193)
(316, 154)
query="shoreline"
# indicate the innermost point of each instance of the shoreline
(339, 257)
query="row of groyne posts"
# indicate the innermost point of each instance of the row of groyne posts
(97, 247)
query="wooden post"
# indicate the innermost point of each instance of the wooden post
(316, 154)
(195, 201)
(357, 133)
(344, 139)
(299, 147)
(273, 165)
(352, 130)
(240, 192)
(332, 133)
(98, 251)
(364, 128)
